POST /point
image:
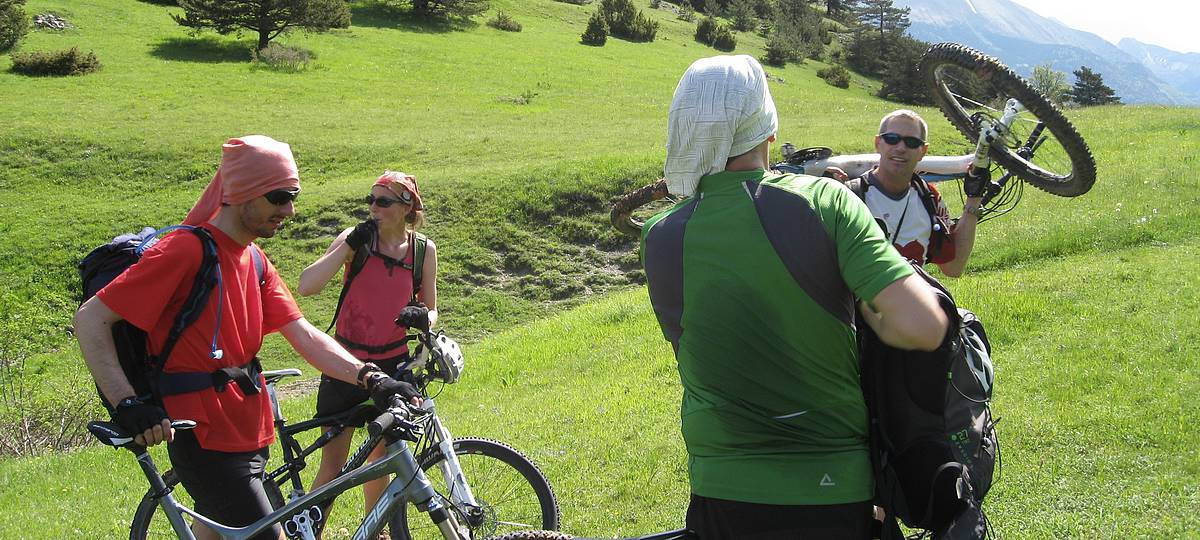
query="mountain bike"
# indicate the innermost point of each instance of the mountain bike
(486, 486)
(1010, 123)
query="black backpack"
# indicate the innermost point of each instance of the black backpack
(144, 371)
(417, 242)
(933, 439)
(941, 226)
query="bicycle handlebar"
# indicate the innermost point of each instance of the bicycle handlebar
(398, 416)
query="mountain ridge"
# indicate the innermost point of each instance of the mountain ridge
(1023, 39)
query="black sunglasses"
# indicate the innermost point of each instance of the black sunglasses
(894, 138)
(280, 197)
(382, 202)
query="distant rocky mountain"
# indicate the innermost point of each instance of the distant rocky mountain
(1181, 70)
(1023, 39)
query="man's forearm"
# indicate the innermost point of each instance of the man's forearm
(93, 330)
(322, 351)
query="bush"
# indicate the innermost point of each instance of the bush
(504, 22)
(64, 62)
(576, 2)
(626, 21)
(282, 58)
(13, 24)
(686, 13)
(597, 31)
(715, 35)
(835, 75)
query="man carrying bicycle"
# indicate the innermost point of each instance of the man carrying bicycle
(753, 281)
(221, 461)
(911, 211)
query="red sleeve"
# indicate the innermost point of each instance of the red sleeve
(143, 292)
(279, 306)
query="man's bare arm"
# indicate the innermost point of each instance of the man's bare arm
(907, 315)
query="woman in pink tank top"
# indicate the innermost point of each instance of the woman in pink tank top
(378, 293)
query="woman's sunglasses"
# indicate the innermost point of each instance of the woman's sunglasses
(894, 138)
(382, 202)
(280, 197)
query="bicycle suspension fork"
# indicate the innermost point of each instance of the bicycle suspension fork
(460, 492)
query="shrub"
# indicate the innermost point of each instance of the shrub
(576, 2)
(715, 35)
(655, 4)
(626, 21)
(13, 24)
(504, 22)
(596, 33)
(686, 13)
(64, 62)
(836, 75)
(282, 58)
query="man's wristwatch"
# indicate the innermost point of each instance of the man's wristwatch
(976, 210)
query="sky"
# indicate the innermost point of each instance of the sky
(1174, 24)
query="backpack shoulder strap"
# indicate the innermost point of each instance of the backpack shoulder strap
(860, 186)
(940, 232)
(418, 241)
(260, 268)
(356, 266)
(207, 278)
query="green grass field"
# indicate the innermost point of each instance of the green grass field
(1088, 301)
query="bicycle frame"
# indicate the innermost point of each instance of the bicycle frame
(297, 516)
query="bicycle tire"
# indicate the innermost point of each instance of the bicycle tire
(495, 472)
(964, 81)
(145, 526)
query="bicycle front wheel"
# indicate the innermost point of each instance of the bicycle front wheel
(512, 493)
(971, 87)
(149, 523)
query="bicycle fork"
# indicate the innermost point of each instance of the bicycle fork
(460, 493)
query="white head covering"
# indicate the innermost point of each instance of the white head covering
(722, 108)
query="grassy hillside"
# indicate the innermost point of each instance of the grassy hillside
(1088, 300)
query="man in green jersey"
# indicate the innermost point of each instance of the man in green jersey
(753, 280)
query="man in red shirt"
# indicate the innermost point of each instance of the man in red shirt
(221, 461)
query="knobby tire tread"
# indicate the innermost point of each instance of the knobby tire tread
(1083, 165)
(509, 456)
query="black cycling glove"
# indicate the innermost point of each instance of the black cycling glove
(136, 417)
(383, 389)
(976, 181)
(414, 315)
(362, 234)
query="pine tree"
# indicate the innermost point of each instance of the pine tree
(1090, 89)
(267, 18)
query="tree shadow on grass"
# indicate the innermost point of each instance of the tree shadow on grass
(383, 14)
(207, 49)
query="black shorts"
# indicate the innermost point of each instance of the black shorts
(719, 519)
(335, 396)
(227, 487)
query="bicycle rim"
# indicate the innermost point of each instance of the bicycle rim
(512, 492)
(148, 521)
(969, 85)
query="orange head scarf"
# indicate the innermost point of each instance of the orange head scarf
(251, 166)
(407, 187)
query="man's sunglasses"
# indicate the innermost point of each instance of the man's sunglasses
(383, 202)
(280, 197)
(894, 138)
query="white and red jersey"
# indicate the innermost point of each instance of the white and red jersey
(909, 225)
